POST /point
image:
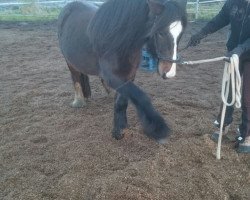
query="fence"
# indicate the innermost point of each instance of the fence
(49, 9)
(204, 8)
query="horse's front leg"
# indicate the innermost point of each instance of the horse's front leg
(153, 123)
(120, 116)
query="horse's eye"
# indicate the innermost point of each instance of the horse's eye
(162, 34)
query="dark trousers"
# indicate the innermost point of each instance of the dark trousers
(245, 117)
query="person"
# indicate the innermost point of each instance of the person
(235, 13)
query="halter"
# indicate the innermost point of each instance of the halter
(165, 58)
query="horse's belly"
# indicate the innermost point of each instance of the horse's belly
(86, 64)
(77, 51)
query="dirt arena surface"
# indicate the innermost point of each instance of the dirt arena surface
(49, 150)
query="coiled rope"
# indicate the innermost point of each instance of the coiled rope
(231, 77)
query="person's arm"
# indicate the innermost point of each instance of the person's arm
(219, 21)
(240, 49)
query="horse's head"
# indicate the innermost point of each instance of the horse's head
(169, 22)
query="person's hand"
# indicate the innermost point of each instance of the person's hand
(238, 51)
(195, 39)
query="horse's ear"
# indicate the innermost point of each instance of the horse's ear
(182, 3)
(155, 7)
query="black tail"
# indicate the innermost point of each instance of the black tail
(68, 10)
(64, 14)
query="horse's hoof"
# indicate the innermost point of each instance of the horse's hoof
(162, 141)
(124, 125)
(117, 136)
(78, 103)
(157, 129)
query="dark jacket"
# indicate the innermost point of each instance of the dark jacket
(237, 14)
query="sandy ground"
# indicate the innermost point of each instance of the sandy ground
(49, 150)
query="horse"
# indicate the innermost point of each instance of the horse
(107, 41)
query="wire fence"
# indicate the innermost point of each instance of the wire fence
(23, 10)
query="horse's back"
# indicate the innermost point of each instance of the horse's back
(73, 40)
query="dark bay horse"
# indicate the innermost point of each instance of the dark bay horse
(107, 42)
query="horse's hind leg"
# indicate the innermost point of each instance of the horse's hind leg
(82, 88)
(120, 116)
(106, 87)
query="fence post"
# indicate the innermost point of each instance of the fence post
(197, 9)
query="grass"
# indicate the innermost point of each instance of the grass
(15, 17)
(31, 12)
(206, 11)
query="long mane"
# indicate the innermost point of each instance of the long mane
(119, 27)
(172, 12)
(122, 26)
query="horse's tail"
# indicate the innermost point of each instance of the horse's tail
(64, 14)
(119, 27)
(68, 10)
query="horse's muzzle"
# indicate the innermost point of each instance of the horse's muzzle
(167, 69)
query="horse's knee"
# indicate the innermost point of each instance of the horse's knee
(120, 116)
(121, 103)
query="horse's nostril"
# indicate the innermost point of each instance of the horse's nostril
(164, 76)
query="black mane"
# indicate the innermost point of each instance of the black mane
(122, 26)
(119, 26)
(171, 13)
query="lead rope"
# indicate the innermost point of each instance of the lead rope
(231, 75)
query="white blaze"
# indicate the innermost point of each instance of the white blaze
(175, 30)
